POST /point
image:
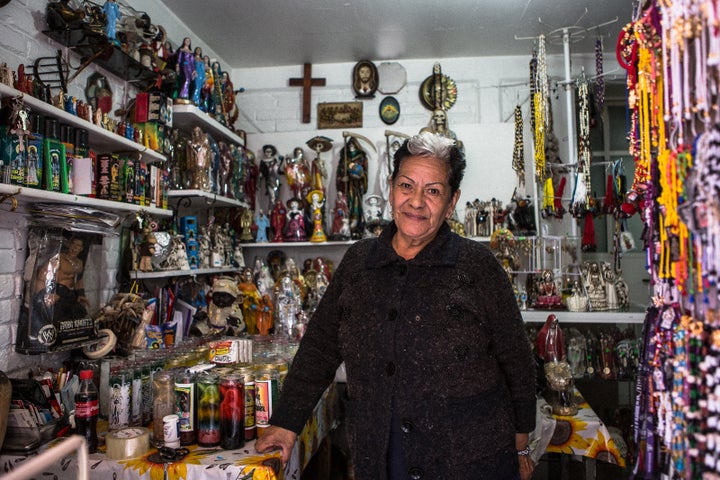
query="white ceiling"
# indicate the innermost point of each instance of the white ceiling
(260, 33)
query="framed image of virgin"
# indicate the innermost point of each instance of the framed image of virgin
(340, 115)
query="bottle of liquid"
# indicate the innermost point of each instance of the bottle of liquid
(87, 410)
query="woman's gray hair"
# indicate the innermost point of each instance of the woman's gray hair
(428, 144)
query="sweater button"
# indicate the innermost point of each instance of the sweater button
(403, 269)
(406, 426)
(415, 473)
(392, 315)
(390, 369)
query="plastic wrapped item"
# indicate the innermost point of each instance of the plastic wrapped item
(54, 314)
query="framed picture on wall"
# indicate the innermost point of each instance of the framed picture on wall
(340, 115)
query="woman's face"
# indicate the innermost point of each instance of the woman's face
(421, 198)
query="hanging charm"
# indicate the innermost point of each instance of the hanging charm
(518, 161)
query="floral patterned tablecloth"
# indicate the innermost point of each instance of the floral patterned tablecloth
(583, 434)
(202, 463)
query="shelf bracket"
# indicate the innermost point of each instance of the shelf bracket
(11, 197)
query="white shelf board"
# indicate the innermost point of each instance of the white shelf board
(99, 139)
(137, 275)
(28, 195)
(281, 245)
(187, 116)
(565, 316)
(201, 198)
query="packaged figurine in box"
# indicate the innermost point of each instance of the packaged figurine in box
(54, 314)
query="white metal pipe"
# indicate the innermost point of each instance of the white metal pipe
(570, 111)
(52, 456)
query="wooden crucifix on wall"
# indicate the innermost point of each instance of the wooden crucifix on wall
(306, 82)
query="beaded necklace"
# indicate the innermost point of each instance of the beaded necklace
(540, 103)
(518, 161)
(599, 79)
(581, 202)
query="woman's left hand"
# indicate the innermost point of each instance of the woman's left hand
(526, 467)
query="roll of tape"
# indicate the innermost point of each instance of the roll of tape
(107, 342)
(127, 443)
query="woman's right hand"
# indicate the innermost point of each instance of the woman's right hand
(276, 437)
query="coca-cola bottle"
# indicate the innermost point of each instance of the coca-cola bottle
(87, 410)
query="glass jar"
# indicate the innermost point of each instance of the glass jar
(208, 410)
(163, 402)
(232, 412)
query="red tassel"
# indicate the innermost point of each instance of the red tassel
(588, 237)
(559, 210)
(609, 202)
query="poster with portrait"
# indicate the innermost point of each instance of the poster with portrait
(55, 314)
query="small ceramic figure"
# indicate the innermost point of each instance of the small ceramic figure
(278, 220)
(263, 223)
(198, 161)
(238, 257)
(265, 315)
(316, 199)
(295, 222)
(578, 301)
(147, 249)
(352, 180)
(198, 76)
(251, 299)
(341, 218)
(177, 260)
(548, 294)
(246, 218)
(112, 15)
(271, 168)
(287, 305)
(204, 248)
(373, 209)
(470, 223)
(595, 285)
(297, 173)
(224, 313)
(185, 68)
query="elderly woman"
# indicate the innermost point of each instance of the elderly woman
(440, 378)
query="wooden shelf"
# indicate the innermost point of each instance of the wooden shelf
(99, 139)
(26, 195)
(200, 198)
(185, 117)
(137, 275)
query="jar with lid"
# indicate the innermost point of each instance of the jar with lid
(163, 402)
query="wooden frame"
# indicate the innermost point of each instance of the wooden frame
(340, 115)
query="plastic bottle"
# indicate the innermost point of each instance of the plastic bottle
(87, 410)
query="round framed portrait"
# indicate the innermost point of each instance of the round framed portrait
(389, 110)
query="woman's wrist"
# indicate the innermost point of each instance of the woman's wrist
(525, 452)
